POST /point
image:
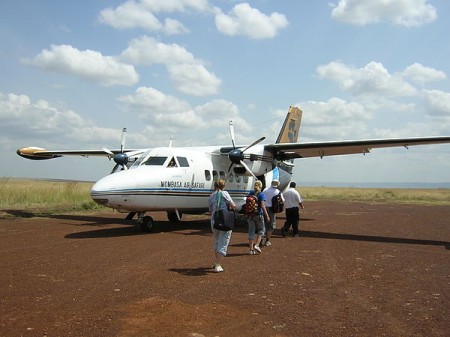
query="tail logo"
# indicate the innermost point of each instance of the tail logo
(292, 133)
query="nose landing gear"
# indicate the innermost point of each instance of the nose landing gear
(146, 222)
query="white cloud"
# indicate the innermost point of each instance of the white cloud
(147, 50)
(218, 108)
(183, 119)
(407, 13)
(173, 27)
(335, 119)
(129, 15)
(151, 101)
(168, 112)
(250, 22)
(386, 98)
(18, 112)
(194, 79)
(88, 65)
(47, 125)
(421, 74)
(189, 74)
(158, 6)
(372, 79)
(437, 103)
(143, 14)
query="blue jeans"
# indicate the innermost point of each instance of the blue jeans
(255, 224)
(221, 240)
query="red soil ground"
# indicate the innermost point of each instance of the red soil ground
(358, 269)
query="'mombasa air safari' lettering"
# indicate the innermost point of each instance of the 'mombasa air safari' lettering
(179, 184)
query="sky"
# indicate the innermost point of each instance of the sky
(74, 73)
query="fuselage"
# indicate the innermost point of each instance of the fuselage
(179, 179)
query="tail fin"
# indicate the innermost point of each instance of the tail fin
(291, 126)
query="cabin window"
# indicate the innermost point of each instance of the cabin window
(207, 175)
(215, 175)
(155, 161)
(230, 177)
(238, 178)
(245, 179)
(222, 175)
(183, 161)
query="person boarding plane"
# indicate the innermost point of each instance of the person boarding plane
(180, 179)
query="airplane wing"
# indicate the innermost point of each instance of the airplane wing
(288, 151)
(37, 153)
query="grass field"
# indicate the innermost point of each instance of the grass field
(57, 195)
(399, 195)
(74, 195)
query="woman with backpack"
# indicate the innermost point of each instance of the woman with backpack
(256, 212)
(220, 200)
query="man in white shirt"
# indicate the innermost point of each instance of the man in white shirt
(292, 202)
(270, 192)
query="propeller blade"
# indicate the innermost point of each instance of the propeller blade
(254, 143)
(232, 134)
(231, 165)
(122, 140)
(108, 151)
(248, 169)
(114, 168)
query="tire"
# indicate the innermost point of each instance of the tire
(147, 224)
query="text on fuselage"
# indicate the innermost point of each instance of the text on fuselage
(181, 184)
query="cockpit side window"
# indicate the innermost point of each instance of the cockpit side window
(172, 163)
(155, 161)
(183, 161)
(138, 161)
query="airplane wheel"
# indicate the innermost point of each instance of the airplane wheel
(147, 224)
(172, 216)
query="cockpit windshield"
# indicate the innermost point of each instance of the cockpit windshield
(158, 161)
(153, 159)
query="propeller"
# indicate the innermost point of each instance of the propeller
(121, 158)
(236, 156)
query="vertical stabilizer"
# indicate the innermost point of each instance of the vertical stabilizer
(291, 126)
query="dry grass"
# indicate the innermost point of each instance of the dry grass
(28, 193)
(399, 195)
(75, 195)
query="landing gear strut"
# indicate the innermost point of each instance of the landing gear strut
(130, 216)
(173, 216)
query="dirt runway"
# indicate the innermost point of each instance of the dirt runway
(358, 269)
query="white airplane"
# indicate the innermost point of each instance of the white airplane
(180, 179)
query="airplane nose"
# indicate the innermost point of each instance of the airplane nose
(107, 190)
